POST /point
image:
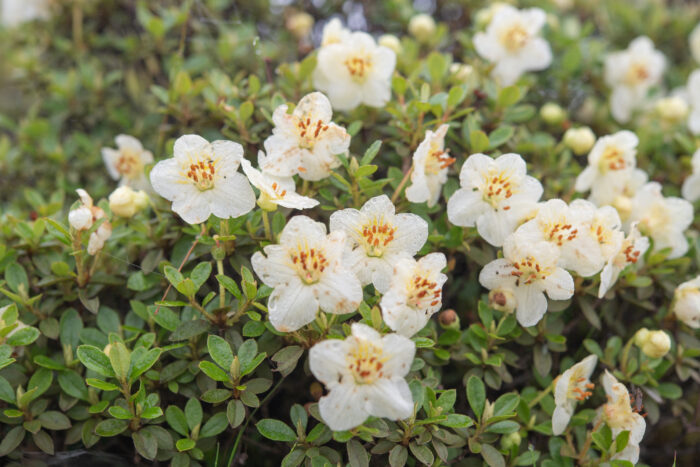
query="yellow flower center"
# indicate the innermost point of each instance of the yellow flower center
(579, 388)
(497, 187)
(365, 361)
(309, 262)
(612, 159)
(529, 270)
(656, 218)
(515, 38)
(129, 164)
(422, 292)
(201, 172)
(601, 232)
(560, 232)
(310, 131)
(376, 236)
(636, 74)
(619, 414)
(437, 160)
(359, 67)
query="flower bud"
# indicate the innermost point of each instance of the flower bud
(462, 71)
(694, 41)
(266, 203)
(686, 303)
(654, 344)
(316, 390)
(390, 41)
(502, 300)
(422, 27)
(80, 218)
(623, 204)
(125, 202)
(300, 24)
(672, 109)
(552, 113)
(510, 440)
(579, 140)
(448, 319)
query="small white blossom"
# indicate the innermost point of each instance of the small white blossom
(415, 293)
(306, 141)
(422, 27)
(334, 33)
(127, 162)
(306, 271)
(653, 344)
(378, 238)
(603, 225)
(693, 96)
(202, 178)
(686, 303)
(83, 218)
(611, 162)
(630, 251)
(663, 219)
(631, 74)
(16, 12)
(694, 41)
(580, 140)
(691, 185)
(355, 71)
(512, 42)
(619, 416)
(275, 191)
(430, 164)
(125, 202)
(573, 385)
(496, 195)
(566, 227)
(365, 375)
(528, 269)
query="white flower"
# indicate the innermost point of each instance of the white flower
(364, 375)
(567, 228)
(83, 218)
(275, 191)
(430, 164)
(415, 293)
(603, 225)
(496, 196)
(694, 41)
(334, 33)
(512, 41)
(672, 109)
(355, 71)
(305, 142)
(422, 27)
(631, 250)
(307, 273)
(619, 416)
(98, 238)
(529, 269)
(125, 202)
(202, 178)
(693, 96)
(631, 73)
(609, 163)
(15, 12)
(686, 303)
(126, 163)
(379, 238)
(663, 219)
(573, 385)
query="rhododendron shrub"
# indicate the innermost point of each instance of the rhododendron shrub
(349, 233)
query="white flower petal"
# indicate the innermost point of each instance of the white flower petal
(327, 361)
(339, 292)
(343, 408)
(464, 207)
(531, 305)
(390, 399)
(291, 307)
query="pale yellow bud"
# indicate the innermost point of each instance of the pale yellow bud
(125, 202)
(502, 300)
(654, 344)
(579, 140)
(300, 24)
(390, 41)
(462, 71)
(552, 113)
(422, 27)
(672, 109)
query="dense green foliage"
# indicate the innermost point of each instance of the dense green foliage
(201, 377)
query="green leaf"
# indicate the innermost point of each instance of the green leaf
(176, 419)
(476, 395)
(492, 457)
(184, 444)
(72, 384)
(94, 359)
(24, 336)
(371, 152)
(54, 420)
(145, 443)
(230, 285)
(119, 412)
(220, 351)
(16, 278)
(215, 425)
(173, 275)
(6, 392)
(357, 454)
(276, 430)
(621, 440)
(422, 453)
(503, 427)
(143, 363)
(456, 420)
(200, 274)
(506, 404)
(235, 413)
(120, 358)
(103, 385)
(11, 440)
(193, 413)
(111, 427)
(213, 371)
(479, 142)
(500, 136)
(151, 412)
(508, 96)
(670, 391)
